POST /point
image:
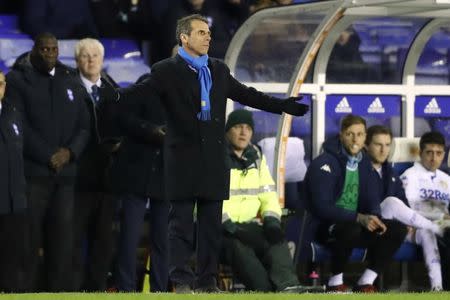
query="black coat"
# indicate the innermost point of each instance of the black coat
(54, 116)
(140, 154)
(96, 159)
(390, 184)
(194, 151)
(12, 179)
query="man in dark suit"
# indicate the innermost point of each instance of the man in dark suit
(13, 221)
(94, 205)
(141, 155)
(193, 89)
(55, 133)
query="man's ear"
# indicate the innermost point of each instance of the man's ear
(183, 37)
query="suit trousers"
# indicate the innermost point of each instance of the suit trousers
(50, 208)
(14, 253)
(94, 213)
(181, 242)
(134, 209)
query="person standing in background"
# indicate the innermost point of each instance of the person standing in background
(56, 131)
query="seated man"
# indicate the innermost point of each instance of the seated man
(378, 145)
(428, 192)
(258, 255)
(339, 188)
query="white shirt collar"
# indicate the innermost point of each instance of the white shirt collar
(52, 72)
(88, 84)
(0, 107)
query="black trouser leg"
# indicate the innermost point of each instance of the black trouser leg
(58, 248)
(14, 253)
(38, 196)
(159, 256)
(344, 237)
(181, 239)
(281, 267)
(100, 241)
(246, 266)
(381, 248)
(83, 207)
(209, 233)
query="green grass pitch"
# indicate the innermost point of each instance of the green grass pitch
(240, 296)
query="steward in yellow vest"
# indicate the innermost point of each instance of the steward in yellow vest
(253, 242)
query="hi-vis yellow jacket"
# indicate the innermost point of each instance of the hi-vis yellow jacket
(252, 191)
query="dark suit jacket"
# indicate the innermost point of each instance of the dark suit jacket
(96, 159)
(140, 153)
(194, 151)
(54, 116)
(12, 179)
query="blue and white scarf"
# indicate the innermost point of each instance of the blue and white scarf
(352, 161)
(200, 64)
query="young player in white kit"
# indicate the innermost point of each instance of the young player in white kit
(393, 205)
(428, 192)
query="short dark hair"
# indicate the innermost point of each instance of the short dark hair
(376, 130)
(184, 25)
(431, 137)
(42, 36)
(350, 120)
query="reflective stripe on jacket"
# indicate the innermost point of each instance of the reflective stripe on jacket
(252, 191)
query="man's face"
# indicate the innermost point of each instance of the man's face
(2, 86)
(353, 138)
(432, 156)
(239, 136)
(379, 148)
(90, 62)
(45, 53)
(197, 43)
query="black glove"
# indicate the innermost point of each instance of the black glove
(244, 232)
(229, 227)
(107, 91)
(290, 106)
(247, 234)
(272, 230)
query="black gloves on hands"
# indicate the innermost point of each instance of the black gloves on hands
(272, 230)
(245, 233)
(229, 227)
(290, 106)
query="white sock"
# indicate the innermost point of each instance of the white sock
(335, 280)
(428, 241)
(368, 277)
(394, 208)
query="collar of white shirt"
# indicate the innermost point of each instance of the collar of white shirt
(52, 72)
(88, 84)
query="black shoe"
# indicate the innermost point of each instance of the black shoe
(183, 289)
(208, 290)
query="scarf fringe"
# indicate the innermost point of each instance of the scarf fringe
(204, 115)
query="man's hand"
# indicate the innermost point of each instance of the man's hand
(272, 230)
(107, 91)
(371, 223)
(290, 106)
(59, 159)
